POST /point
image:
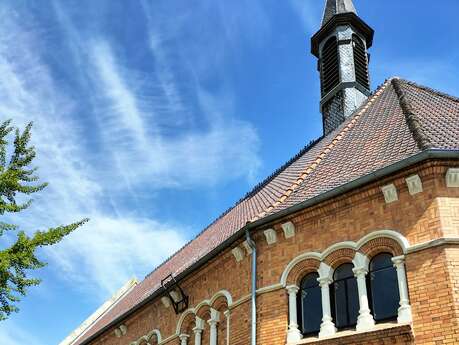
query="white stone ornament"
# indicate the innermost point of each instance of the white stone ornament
(271, 236)
(293, 334)
(247, 247)
(184, 339)
(404, 311)
(452, 178)
(166, 301)
(365, 321)
(123, 329)
(198, 331)
(238, 254)
(118, 333)
(414, 184)
(214, 320)
(390, 193)
(289, 229)
(327, 327)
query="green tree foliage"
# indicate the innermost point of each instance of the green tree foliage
(18, 180)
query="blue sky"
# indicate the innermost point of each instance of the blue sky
(153, 117)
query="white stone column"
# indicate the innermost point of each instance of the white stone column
(365, 320)
(227, 314)
(294, 333)
(327, 326)
(214, 320)
(404, 311)
(184, 339)
(198, 331)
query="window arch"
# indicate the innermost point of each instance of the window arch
(345, 297)
(310, 304)
(383, 287)
(360, 62)
(329, 66)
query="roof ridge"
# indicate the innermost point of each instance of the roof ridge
(338, 137)
(414, 124)
(276, 173)
(248, 195)
(431, 90)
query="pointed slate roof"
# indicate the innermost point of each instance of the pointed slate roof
(400, 120)
(333, 7)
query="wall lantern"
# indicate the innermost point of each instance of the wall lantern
(175, 293)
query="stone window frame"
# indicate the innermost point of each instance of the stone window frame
(147, 338)
(373, 296)
(359, 253)
(193, 320)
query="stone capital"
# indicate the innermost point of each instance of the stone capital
(360, 272)
(398, 260)
(184, 337)
(292, 289)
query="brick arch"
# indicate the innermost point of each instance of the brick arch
(203, 311)
(339, 257)
(301, 269)
(220, 303)
(381, 245)
(142, 341)
(186, 322)
(154, 337)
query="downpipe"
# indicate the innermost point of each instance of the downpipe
(252, 246)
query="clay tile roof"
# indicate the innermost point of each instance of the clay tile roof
(400, 120)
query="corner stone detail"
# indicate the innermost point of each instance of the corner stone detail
(289, 229)
(390, 193)
(271, 236)
(238, 254)
(414, 184)
(452, 178)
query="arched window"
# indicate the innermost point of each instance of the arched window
(383, 286)
(329, 67)
(345, 297)
(360, 62)
(310, 303)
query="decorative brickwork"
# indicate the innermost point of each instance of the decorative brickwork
(381, 245)
(301, 269)
(340, 257)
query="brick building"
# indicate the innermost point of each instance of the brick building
(355, 240)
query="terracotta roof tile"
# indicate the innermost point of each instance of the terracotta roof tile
(399, 120)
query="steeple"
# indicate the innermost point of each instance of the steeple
(341, 45)
(333, 7)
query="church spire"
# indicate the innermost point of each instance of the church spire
(341, 45)
(333, 7)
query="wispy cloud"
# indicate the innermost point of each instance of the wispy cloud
(145, 132)
(115, 249)
(14, 335)
(112, 247)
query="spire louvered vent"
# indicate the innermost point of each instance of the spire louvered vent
(360, 62)
(329, 66)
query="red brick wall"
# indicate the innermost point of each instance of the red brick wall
(433, 274)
